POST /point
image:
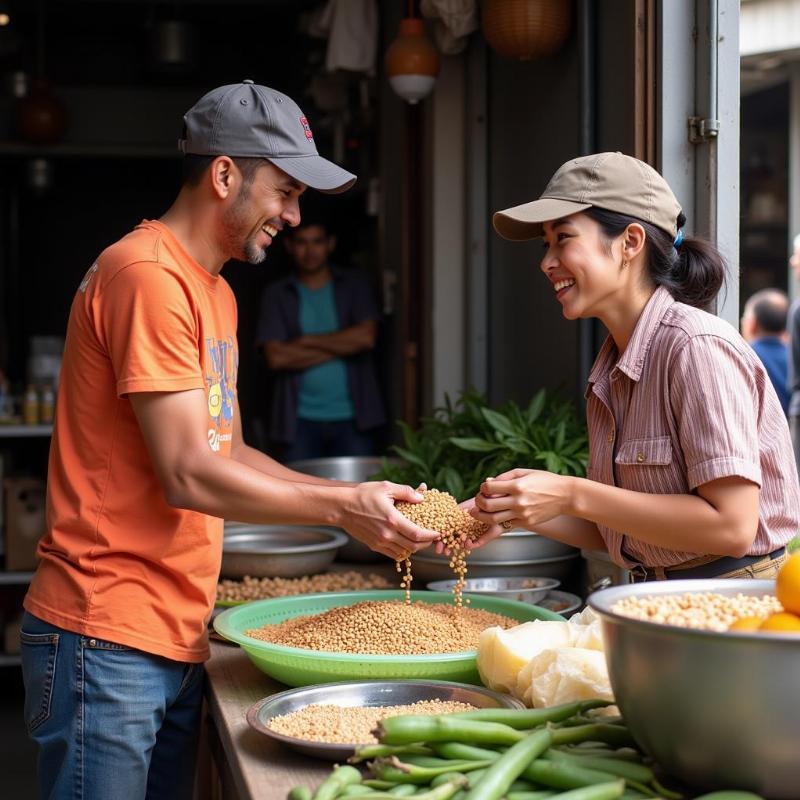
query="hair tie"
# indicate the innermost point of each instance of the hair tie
(678, 240)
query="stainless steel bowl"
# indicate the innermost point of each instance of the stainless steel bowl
(278, 551)
(717, 710)
(359, 694)
(355, 469)
(428, 566)
(526, 590)
(520, 545)
(564, 603)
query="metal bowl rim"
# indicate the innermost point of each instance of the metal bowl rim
(336, 539)
(338, 748)
(601, 603)
(492, 562)
(550, 584)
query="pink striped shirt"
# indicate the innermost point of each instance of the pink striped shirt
(687, 403)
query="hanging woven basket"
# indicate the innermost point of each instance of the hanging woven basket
(526, 29)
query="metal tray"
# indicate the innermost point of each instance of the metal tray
(564, 603)
(524, 589)
(278, 551)
(361, 694)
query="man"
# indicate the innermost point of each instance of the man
(147, 459)
(764, 328)
(793, 326)
(318, 329)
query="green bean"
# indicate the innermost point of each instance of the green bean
(430, 761)
(622, 769)
(583, 719)
(445, 791)
(378, 784)
(336, 781)
(299, 793)
(730, 794)
(364, 792)
(528, 718)
(599, 751)
(395, 771)
(411, 728)
(464, 752)
(356, 790)
(564, 776)
(506, 769)
(610, 734)
(403, 790)
(536, 795)
(381, 750)
(600, 791)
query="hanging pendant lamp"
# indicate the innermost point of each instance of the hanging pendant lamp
(526, 29)
(412, 62)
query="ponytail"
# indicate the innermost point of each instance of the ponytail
(691, 269)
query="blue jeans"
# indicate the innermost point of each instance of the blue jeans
(110, 722)
(323, 439)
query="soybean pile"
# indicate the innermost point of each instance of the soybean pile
(250, 588)
(352, 724)
(563, 752)
(385, 628)
(439, 511)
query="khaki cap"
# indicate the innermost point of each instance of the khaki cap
(612, 181)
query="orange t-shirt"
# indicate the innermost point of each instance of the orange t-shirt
(117, 562)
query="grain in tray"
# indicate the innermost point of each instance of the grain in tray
(439, 511)
(251, 588)
(335, 724)
(385, 628)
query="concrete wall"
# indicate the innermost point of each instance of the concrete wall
(534, 115)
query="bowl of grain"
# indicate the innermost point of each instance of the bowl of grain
(321, 638)
(716, 708)
(330, 720)
(526, 590)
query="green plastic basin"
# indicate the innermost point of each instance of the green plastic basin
(297, 667)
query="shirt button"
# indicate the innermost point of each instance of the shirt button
(640, 457)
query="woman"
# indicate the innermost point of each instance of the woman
(691, 470)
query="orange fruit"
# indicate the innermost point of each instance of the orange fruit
(781, 622)
(787, 584)
(747, 624)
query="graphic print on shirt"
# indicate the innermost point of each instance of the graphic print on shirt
(222, 369)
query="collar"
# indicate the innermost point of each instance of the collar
(632, 361)
(294, 281)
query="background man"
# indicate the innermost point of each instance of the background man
(764, 328)
(147, 459)
(793, 325)
(318, 328)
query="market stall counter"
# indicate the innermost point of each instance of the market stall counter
(238, 763)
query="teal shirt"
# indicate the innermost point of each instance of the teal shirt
(324, 393)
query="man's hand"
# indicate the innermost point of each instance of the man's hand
(521, 497)
(371, 517)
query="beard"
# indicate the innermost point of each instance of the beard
(238, 240)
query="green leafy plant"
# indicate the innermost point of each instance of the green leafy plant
(466, 441)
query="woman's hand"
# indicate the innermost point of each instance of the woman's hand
(521, 498)
(371, 517)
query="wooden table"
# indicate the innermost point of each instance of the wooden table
(247, 765)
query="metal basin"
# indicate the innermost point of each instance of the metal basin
(278, 551)
(354, 469)
(357, 694)
(526, 590)
(717, 710)
(427, 566)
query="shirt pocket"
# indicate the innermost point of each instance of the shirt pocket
(646, 452)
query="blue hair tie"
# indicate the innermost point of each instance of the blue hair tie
(678, 240)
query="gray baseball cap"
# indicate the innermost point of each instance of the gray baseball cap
(251, 121)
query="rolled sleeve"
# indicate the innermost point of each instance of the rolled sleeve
(715, 399)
